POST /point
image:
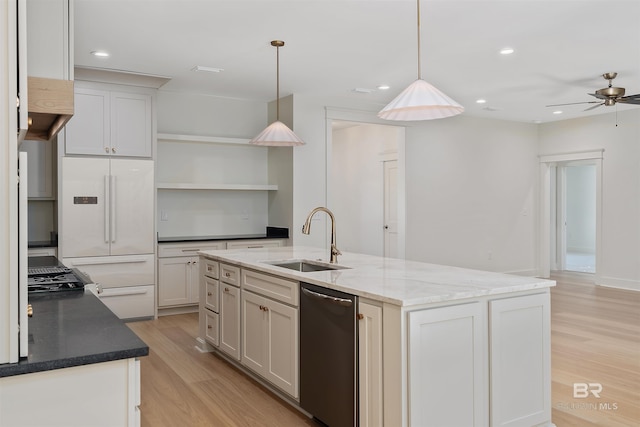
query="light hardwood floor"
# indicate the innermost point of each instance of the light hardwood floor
(595, 338)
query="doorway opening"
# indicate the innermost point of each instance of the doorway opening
(575, 217)
(570, 212)
(366, 187)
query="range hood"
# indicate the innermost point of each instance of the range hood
(50, 107)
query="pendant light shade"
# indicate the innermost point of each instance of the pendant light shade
(277, 134)
(420, 101)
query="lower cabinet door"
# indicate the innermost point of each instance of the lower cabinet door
(447, 367)
(212, 327)
(370, 365)
(282, 348)
(173, 281)
(254, 332)
(230, 320)
(520, 361)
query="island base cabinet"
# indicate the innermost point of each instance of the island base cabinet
(370, 365)
(229, 338)
(102, 394)
(446, 367)
(270, 341)
(520, 361)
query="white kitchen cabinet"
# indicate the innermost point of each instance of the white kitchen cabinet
(229, 311)
(101, 394)
(520, 376)
(209, 307)
(177, 281)
(370, 365)
(110, 123)
(179, 272)
(270, 341)
(446, 366)
(41, 176)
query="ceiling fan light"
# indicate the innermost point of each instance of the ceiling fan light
(420, 101)
(277, 134)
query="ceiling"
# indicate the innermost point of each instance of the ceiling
(562, 47)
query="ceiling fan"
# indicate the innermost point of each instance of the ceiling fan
(607, 96)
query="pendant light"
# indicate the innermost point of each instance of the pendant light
(420, 101)
(277, 134)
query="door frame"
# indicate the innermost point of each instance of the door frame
(547, 168)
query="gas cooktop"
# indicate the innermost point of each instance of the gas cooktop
(53, 279)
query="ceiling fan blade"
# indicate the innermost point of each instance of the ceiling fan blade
(574, 103)
(631, 99)
(594, 106)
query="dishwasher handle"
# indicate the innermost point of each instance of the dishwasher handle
(344, 302)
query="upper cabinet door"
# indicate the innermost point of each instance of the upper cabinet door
(109, 123)
(88, 132)
(131, 124)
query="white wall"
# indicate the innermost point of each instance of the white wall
(619, 264)
(357, 179)
(471, 193)
(211, 212)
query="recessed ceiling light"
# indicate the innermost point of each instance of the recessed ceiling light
(481, 101)
(506, 51)
(557, 112)
(383, 87)
(361, 90)
(100, 53)
(207, 69)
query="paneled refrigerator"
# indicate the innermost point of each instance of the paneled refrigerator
(107, 229)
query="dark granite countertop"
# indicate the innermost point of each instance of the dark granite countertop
(72, 329)
(271, 233)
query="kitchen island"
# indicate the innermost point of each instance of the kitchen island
(437, 345)
(82, 367)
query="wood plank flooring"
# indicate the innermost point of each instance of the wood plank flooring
(595, 338)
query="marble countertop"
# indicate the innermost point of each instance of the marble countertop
(395, 281)
(71, 329)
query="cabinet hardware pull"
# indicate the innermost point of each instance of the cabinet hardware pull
(113, 150)
(106, 149)
(209, 327)
(360, 316)
(226, 289)
(227, 274)
(209, 293)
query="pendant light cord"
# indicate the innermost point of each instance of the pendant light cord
(418, 13)
(278, 82)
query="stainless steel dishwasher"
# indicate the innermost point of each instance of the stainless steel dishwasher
(328, 355)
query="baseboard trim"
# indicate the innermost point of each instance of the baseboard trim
(612, 282)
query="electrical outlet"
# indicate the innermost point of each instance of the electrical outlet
(164, 216)
(244, 216)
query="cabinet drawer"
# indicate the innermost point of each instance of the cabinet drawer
(211, 327)
(130, 302)
(230, 274)
(211, 294)
(247, 244)
(210, 268)
(287, 291)
(116, 271)
(187, 249)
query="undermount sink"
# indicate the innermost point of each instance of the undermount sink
(306, 266)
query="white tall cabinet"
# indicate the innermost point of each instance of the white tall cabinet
(107, 194)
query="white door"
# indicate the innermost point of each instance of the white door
(391, 209)
(131, 224)
(85, 207)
